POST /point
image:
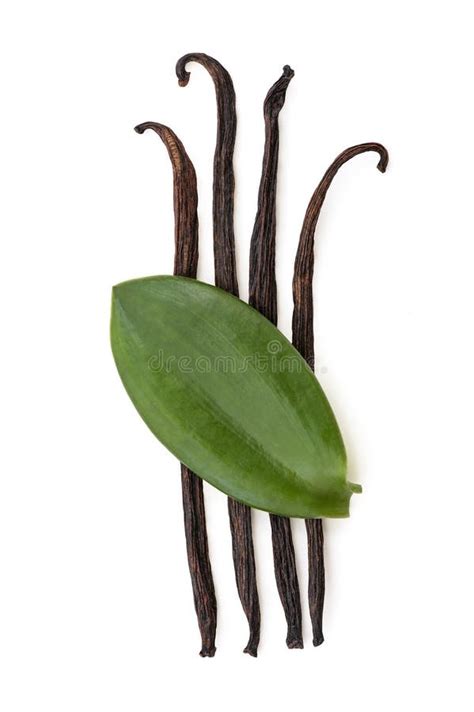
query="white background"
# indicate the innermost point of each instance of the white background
(96, 609)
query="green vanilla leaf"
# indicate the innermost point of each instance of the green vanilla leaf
(228, 394)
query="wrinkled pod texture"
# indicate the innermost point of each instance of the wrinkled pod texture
(263, 296)
(303, 340)
(240, 516)
(185, 199)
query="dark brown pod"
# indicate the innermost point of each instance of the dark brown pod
(225, 273)
(303, 340)
(185, 199)
(263, 296)
(224, 182)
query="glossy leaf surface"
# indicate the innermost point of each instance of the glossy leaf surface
(228, 394)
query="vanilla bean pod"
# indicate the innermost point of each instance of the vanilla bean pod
(240, 517)
(185, 199)
(262, 281)
(223, 188)
(303, 340)
(263, 296)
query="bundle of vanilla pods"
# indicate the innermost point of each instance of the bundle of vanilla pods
(263, 297)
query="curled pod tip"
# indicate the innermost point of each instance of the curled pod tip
(277, 93)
